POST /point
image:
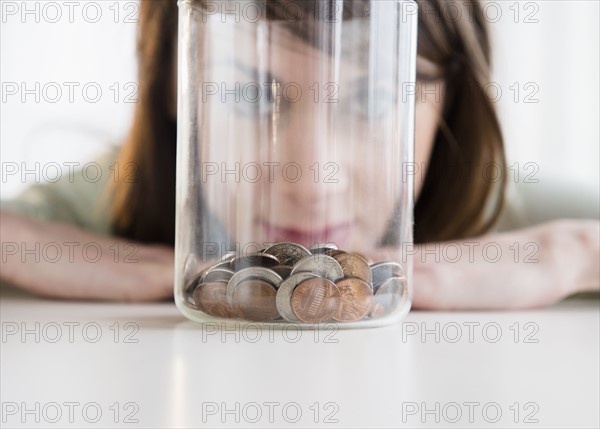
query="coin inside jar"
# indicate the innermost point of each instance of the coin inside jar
(321, 265)
(387, 297)
(255, 260)
(283, 270)
(355, 299)
(354, 265)
(228, 256)
(211, 298)
(284, 295)
(226, 264)
(252, 273)
(319, 248)
(255, 300)
(315, 300)
(384, 270)
(287, 253)
(217, 274)
(333, 252)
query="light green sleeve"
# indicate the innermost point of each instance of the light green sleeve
(529, 204)
(79, 198)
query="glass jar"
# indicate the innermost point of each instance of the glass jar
(295, 140)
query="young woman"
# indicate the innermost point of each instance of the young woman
(119, 234)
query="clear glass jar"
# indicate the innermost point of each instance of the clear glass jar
(295, 133)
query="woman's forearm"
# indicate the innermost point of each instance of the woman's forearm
(521, 269)
(64, 261)
(527, 268)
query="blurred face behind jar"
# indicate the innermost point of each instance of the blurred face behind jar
(302, 144)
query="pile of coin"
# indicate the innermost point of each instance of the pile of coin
(288, 282)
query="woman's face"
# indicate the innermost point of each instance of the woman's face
(296, 145)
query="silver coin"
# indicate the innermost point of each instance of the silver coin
(382, 271)
(283, 300)
(217, 274)
(321, 265)
(228, 256)
(398, 280)
(283, 270)
(287, 253)
(222, 264)
(260, 273)
(319, 248)
(254, 260)
(388, 296)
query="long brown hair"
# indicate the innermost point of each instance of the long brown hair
(469, 137)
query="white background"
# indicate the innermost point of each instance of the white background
(558, 54)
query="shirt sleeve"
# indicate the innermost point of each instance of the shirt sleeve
(529, 204)
(81, 198)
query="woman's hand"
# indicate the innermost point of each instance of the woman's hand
(527, 268)
(63, 261)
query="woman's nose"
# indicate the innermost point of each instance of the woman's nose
(305, 147)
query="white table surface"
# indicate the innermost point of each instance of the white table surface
(152, 368)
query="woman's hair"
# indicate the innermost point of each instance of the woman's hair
(468, 141)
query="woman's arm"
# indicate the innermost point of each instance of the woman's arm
(526, 268)
(63, 261)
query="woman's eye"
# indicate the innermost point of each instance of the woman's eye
(252, 99)
(373, 104)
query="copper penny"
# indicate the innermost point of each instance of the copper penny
(366, 258)
(356, 299)
(255, 300)
(211, 298)
(387, 297)
(354, 265)
(284, 295)
(315, 300)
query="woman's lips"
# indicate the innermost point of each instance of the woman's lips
(337, 234)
